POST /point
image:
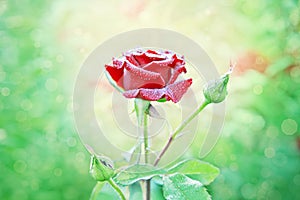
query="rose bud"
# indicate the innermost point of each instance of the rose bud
(101, 169)
(149, 75)
(216, 91)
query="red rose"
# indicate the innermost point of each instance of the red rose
(150, 75)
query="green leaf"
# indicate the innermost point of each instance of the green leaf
(181, 187)
(136, 173)
(194, 169)
(135, 191)
(156, 192)
(197, 170)
(157, 179)
(162, 100)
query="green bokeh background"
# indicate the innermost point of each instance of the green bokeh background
(42, 46)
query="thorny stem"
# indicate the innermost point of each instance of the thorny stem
(179, 129)
(116, 188)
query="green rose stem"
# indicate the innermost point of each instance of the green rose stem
(146, 139)
(96, 190)
(214, 92)
(117, 188)
(179, 129)
(141, 109)
(146, 146)
(99, 186)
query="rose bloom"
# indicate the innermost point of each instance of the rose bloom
(150, 75)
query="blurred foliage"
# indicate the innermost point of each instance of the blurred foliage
(41, 156)
(259, 151)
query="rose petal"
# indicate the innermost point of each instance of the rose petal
(177, 71)
(151, 94)
(163, 70)
(146, 94)
(172, 92)
(115, 73)
(131, 93)
(152, 51)
(118, 63)
(153, 55)
(176, 90)
(144, 58)
(132, 60)
(150, 74)
(177, 61)
(135, 78)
